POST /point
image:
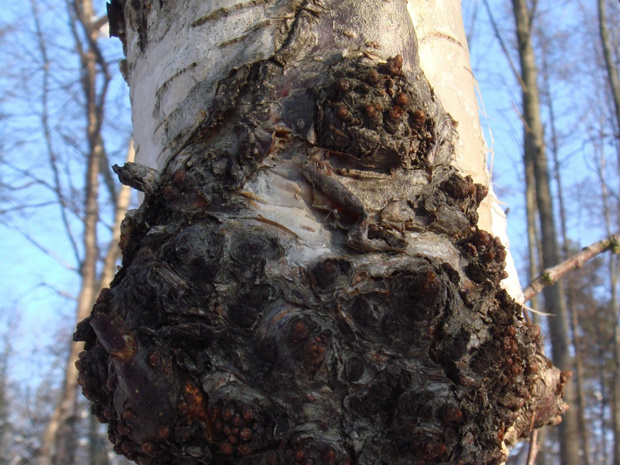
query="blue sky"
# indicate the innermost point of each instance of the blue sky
(38, 287)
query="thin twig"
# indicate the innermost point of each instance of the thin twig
(537, 312)
(533, 450)
(39, 246)
(552, 275)
(60, 292)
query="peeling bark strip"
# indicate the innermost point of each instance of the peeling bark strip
(305, 281)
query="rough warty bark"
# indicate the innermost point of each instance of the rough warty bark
(305, 281)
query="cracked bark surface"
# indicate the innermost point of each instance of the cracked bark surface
(305, 281)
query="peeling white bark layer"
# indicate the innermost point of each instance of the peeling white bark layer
(444, 57)
(183, 66)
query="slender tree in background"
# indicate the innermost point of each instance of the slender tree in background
(83, 216)
(305, 281)
(614, 87)
(5, 353)
(531, 207)
(611, 66)
(58, 446)
(613, 305)
(535, 159)
(60, 434)
(553, 143)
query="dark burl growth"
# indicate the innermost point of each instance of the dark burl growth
(380, 118)
(487, 257)
(214, 345)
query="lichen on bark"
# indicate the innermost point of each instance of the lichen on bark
(305, 282)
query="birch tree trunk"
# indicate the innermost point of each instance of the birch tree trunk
(305, 281)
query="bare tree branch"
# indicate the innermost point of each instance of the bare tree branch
(502, 44)
(62, 293)
(39, 246)
(53, 158)
(25, 206)
(34, 180)
(551, 275)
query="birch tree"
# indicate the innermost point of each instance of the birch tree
(310, 277)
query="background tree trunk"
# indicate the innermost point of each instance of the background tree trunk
(58, 444)
(305, 281)
(579, 372)
(614, 85)
(59, 436)
(535, 156)
(5, 429)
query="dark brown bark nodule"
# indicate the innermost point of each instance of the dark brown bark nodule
(226, 338)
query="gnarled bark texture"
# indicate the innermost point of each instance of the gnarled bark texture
(305, 281)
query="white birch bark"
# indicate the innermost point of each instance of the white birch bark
(184, 68)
